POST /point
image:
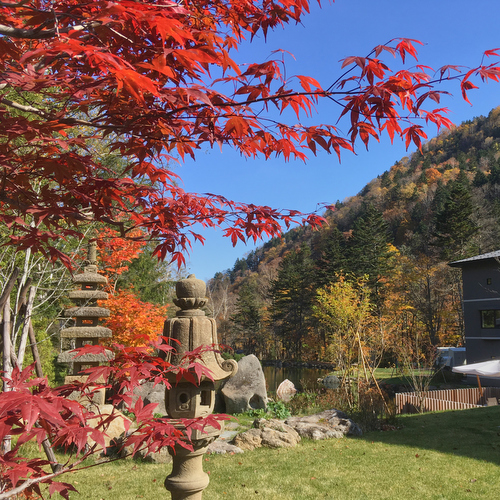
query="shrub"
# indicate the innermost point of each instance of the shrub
(274, 409)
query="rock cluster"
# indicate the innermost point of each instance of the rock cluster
(325, 425)
(271, 433)
(329, 424)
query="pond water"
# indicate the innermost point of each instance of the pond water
(302, 378)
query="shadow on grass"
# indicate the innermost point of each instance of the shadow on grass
(471, 433)
(437, 379)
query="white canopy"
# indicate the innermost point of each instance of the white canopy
(484, 369)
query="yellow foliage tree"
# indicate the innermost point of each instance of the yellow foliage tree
(344, 310)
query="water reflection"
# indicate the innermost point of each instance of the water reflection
(302, 378)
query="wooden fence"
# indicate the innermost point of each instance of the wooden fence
(449, 399)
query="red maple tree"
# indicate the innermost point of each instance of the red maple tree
(33, 411)
(146, 76)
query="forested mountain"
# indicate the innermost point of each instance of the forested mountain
(387, 247)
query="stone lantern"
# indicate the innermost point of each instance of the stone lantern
(189, 330)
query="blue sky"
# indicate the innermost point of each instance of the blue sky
(454, 32)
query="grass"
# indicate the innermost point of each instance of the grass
(394, 376)
(444, 455)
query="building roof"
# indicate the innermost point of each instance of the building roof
(484, 256)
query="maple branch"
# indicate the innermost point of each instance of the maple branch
(59, 471)
(45, 114)
(31, 481)
(13, 5)
(63, 470)
(22, 107)
(41, 34)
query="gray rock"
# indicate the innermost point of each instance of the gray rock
(271, 433)
(151, 393)
(247, 389)
(331, 382)
(221, 447)
(158, 457)
(325, 425)
(118, 448)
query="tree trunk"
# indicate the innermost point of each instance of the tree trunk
(26, 327)
(7, 366)
(34, 350)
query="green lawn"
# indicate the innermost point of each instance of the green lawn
(394, 376)
(446, 455)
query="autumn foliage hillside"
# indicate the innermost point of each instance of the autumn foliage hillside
(398, 234)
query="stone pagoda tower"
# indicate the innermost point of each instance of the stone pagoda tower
(86, 314)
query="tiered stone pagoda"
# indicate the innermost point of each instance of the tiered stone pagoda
(86, 313)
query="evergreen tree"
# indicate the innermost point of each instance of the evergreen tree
(440, 197)
(248, 319)
(332, 260)
(385, 180)
(151, 279)
(494, 177)
(369, 251)
(292, 293)
(480, 179)
(239, 268)
(454, 223)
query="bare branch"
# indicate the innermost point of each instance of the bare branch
(41, 34)
(22, 107)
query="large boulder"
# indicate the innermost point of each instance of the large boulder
(325, 425)
(271, 433)
(247, 389)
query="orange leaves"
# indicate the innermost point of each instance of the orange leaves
(115, 252)
(237, 126)
(432, 175)
(133, 322)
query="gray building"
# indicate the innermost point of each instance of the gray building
(481, 304)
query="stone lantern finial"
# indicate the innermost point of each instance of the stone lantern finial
(191, 294)
(92, 254)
